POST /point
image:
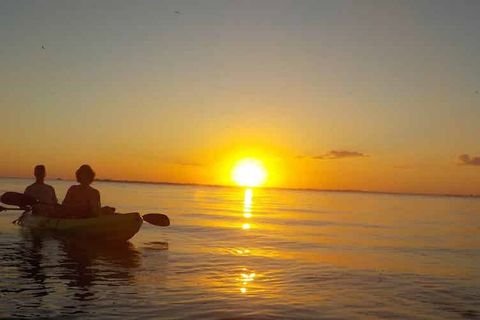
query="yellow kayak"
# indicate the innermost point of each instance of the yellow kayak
(118, 227)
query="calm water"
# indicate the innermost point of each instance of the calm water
(261, 254)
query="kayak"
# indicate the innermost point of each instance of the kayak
(118, 227)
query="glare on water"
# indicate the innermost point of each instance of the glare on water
(284, 254)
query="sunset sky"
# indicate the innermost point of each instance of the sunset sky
(371, 95)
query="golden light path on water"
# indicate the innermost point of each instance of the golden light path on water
(247, 203)
(248, 172)
(246, 277)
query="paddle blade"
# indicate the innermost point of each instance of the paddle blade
(18, 199)
(157, 219)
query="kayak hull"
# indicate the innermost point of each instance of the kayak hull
(110, 228)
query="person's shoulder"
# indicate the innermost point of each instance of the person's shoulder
(93, 193)
(29, 187)
(93, 190)
(73, 188)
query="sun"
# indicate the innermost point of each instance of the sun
(249, 173)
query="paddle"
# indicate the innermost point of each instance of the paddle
(18, 199)
(6, 209)
(22, 200)
(157, 219)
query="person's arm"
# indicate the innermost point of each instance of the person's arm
(54, 196)
(95, 203)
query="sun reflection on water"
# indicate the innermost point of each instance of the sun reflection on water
(246, 226)
(246, 277)
(247, 207)
(243, 251)
(247, 203)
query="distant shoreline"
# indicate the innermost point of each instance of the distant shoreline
(298, 189)
(450, 195)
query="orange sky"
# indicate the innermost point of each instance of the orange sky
(338, 95)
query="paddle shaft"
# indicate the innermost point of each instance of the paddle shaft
(24, 201)
(10, 209)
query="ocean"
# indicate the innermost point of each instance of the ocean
(233, 253)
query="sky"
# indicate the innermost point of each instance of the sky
(365, 95)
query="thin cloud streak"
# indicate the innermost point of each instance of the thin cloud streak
(336, 154)
(189, 164)
(404, 167)
(465, 159)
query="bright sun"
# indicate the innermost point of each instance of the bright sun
(249, 173)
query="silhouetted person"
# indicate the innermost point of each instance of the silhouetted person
(82, 201)
(42, 192)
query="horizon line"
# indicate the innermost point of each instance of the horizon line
(452, 195)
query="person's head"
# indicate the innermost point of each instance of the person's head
(39, 172)
(85, 174)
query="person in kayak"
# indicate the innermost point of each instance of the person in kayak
(42, 192)
(82, 201)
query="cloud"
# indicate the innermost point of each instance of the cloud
(465, 159)
(189, 164)
(337, 154)
(404, 167)
(176, 161)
